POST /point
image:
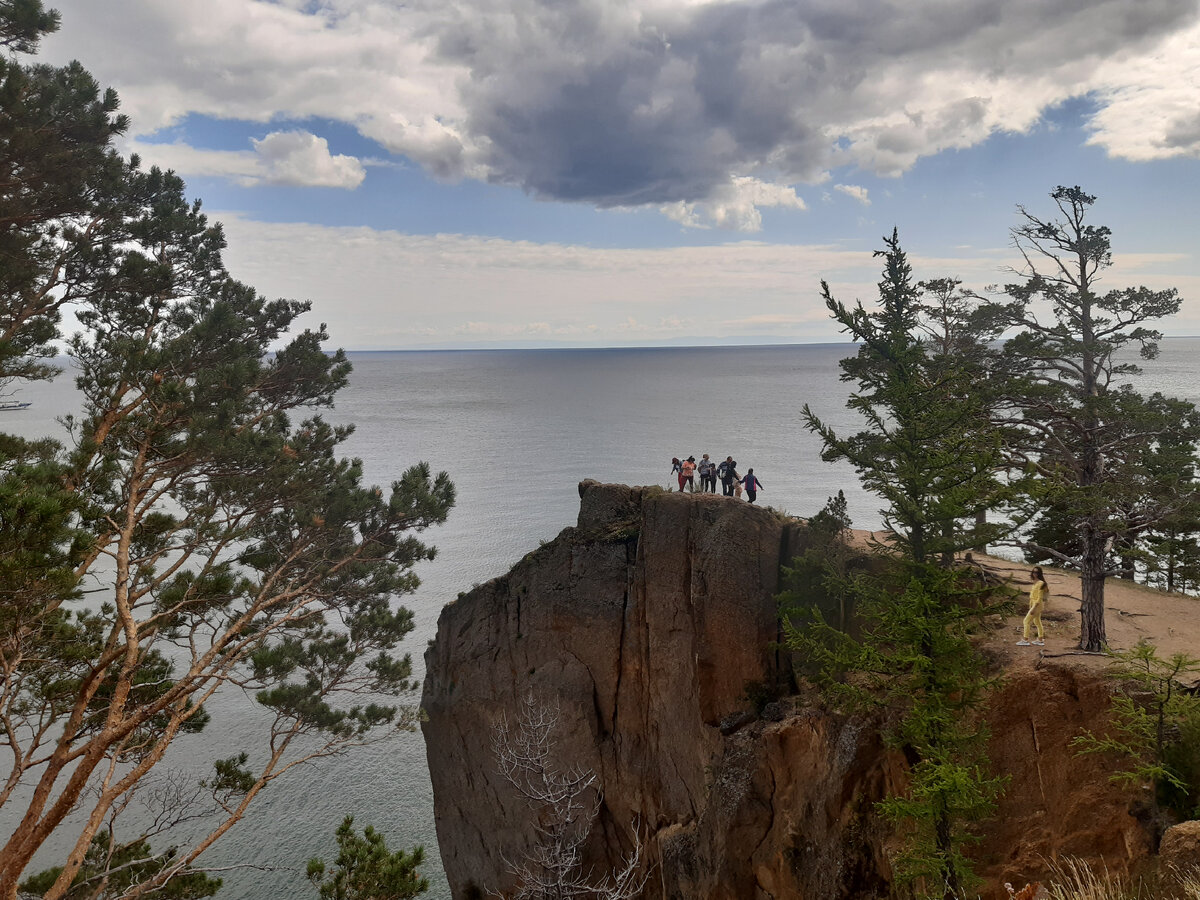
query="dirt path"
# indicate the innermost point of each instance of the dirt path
(1131, 612)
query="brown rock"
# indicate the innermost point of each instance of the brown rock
(1180, 848)
(645, 623)
(1057, 802)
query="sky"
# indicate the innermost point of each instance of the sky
(509, 173)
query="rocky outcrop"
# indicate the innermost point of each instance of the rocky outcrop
(652, 625)
(1180, 849)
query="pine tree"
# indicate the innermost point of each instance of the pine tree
(1072, 418)
(198, 496)
(366, 870)
(60, 177)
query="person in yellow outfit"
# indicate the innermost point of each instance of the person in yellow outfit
(1038, 592)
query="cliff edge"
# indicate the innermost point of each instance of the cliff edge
(652, 626)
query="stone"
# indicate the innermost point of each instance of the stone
(1180, 848)
(647, 624)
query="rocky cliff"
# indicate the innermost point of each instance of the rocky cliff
(651, 625)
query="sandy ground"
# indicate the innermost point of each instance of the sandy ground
(1131, 612)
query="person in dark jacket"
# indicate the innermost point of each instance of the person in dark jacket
(752, 485)
(727, 472)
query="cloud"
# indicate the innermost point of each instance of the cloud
(295, 158)
(672, 104)
(855, 191)
(300, 158)
(381, 289)
(1148, 103)
(386, 289)
(736, 205)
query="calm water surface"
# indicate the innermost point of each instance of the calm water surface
(517, 431)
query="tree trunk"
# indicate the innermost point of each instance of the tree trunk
(1091, 578)
(943, 831)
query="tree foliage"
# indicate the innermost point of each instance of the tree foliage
(111, 871)
(195, 530)
(1072, 418)
(927, 450)
(906, 655)
(1155, 723)
(815, 575)
(61, 180)
(911, 662)
(366, 870)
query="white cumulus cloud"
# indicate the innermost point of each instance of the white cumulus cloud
(300, 158)
(736, 206)
(296, 158)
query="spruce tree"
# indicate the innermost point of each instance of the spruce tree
(928, 450)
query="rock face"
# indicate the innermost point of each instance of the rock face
(651, 626)
(1180, 849)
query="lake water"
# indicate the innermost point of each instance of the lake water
(517, 431)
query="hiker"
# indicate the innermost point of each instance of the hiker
(753, 485)
(677, 470)
(708, 474)
(727, 472)
(688, 475)
(1038, 592)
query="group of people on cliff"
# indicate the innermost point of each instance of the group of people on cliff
(732, 484)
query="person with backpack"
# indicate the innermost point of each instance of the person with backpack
(727, 472)
(708, 478)
(677, 470)
(752, 485)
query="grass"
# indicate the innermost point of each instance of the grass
(1074, 879)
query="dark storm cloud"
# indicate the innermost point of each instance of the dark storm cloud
(590, 100)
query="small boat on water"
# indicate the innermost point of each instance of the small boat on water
(6, 405)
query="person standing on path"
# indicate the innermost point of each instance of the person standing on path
(752, 485)
(1038, 592)
(708, 479)
(677, 470)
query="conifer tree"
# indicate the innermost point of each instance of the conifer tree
(60, 177)
(198, 499)
(910, 656)
(1072, 417)
(366, 870)
(928, 450)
